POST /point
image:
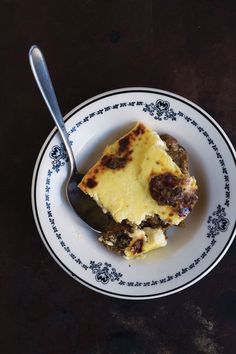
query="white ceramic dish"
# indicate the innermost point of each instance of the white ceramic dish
(193, 251)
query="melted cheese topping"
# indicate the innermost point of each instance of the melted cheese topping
(151, 238)
(124, 191)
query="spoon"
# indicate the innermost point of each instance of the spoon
(86, 208)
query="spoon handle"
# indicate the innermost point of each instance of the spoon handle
(42, 77)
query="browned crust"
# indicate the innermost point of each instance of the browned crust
(114, 161)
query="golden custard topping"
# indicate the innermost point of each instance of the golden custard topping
(139, 177)
(120, 180)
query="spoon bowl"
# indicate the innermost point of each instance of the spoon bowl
(86, 208)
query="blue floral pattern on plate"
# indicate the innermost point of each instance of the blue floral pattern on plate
(217, 222)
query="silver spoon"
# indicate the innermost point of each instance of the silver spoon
(85, 207)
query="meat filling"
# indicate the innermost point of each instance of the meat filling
(171, 190)
(116, 237)
(154, 222)
(176, 152)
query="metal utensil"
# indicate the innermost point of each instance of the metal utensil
(85, 207)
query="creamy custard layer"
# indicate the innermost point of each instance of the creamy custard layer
(120, 180)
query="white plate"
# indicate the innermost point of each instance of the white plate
(192, 251)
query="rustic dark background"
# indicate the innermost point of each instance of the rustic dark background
(187, 47)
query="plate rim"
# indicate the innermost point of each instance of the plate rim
(34, 183)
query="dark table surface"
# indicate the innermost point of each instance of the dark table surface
(186, 47)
